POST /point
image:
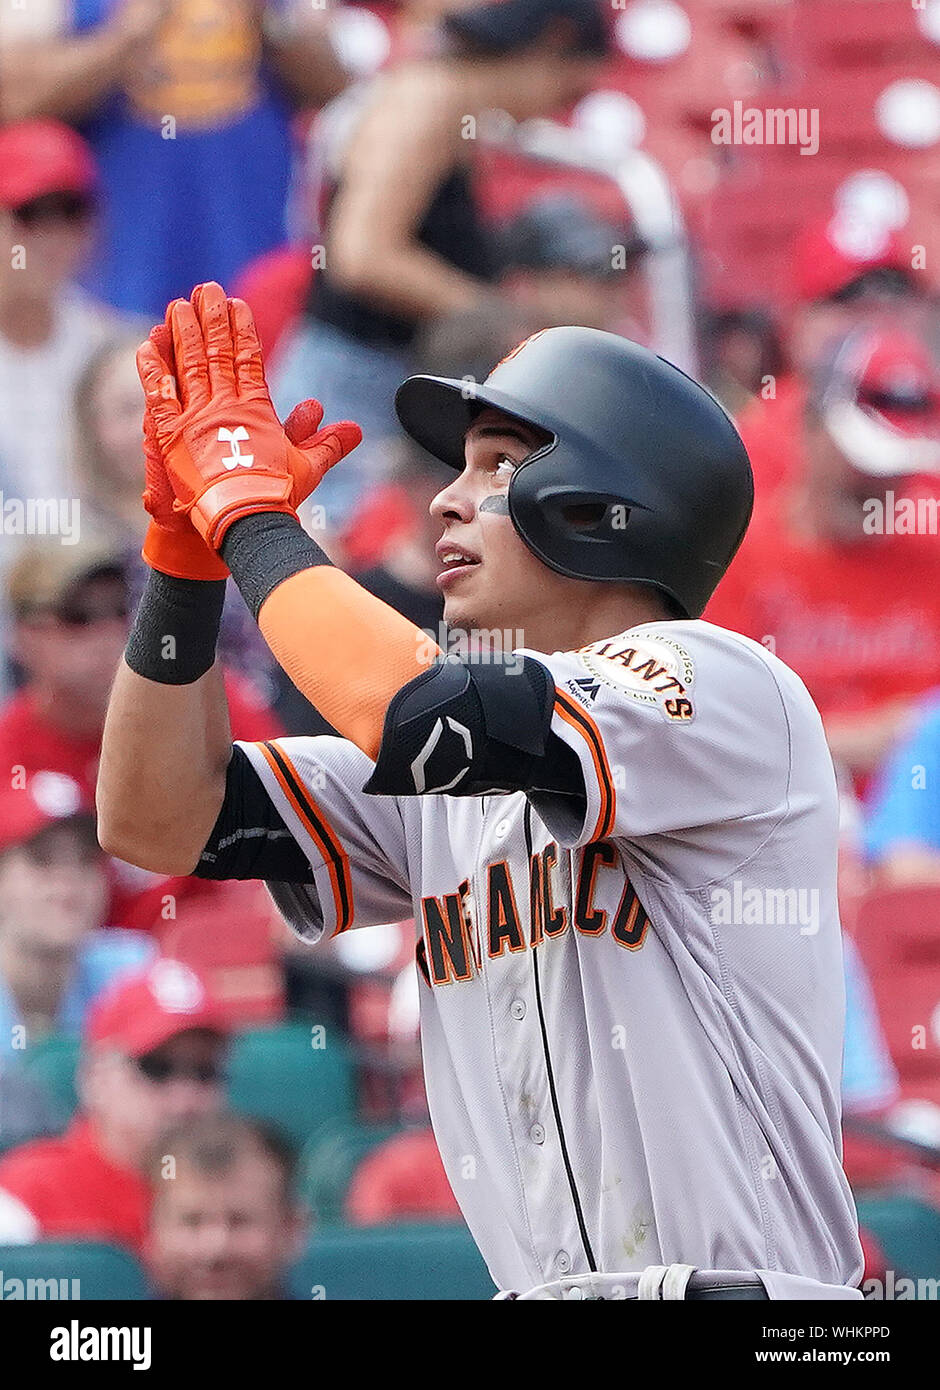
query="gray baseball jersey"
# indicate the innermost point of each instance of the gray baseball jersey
(632, 1017)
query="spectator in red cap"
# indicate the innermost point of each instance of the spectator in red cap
(153, 1056)
(225, 1223)
(69, 606)
(48, 326)
(840, 570)
(55, 955)
(846, 271)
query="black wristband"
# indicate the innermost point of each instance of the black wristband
(265, 549)
(174, 636)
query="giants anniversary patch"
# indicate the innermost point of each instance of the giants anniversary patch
(646, 667)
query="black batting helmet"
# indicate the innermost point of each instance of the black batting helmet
(645, 479)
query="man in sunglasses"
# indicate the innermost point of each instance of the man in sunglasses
(49, 328)
(69, 606)
(153, 1056)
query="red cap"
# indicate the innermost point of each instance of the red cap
(39, 157)
(830, 255)
(143, 1011)
(47, 798)
(881, 403)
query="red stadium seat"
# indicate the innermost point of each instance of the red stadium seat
(231, 939)
(864, 32)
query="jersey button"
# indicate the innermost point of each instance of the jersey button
(517, 1008)
(537, 1134)
(563, 1262)
(502, 830)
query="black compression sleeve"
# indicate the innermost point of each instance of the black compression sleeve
(176, 629)
(250, 839)
(263, 550)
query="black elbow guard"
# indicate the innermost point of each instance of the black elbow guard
(467, 728)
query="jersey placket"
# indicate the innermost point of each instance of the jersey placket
(518, 1032)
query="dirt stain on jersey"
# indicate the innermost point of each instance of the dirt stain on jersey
(636, 1237)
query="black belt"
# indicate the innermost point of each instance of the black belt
(748, 1291)
(751, 1292)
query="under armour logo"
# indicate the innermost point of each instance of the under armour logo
(233, 438)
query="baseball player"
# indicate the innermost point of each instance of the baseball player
(616, 832)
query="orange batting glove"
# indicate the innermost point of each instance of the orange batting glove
(225, 452)
(171, 545)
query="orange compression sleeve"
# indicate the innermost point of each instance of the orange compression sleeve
(346, 650)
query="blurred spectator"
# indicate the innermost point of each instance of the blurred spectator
(224, 1221)
(845, 270)
(831, 575)
(48, 327)
(70, 605)
(109, 461)
(153, 1056)
(70, 608)
(232, 937)
(468, 345)
(187, 104)
(403, 1179)
(902, 836)
(404, 236)
(25, 1111)
(55, 955)
(742, 351)
(845, 273)
(70, 611)
(558, 252)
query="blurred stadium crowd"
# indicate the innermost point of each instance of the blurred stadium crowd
(418, 186)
